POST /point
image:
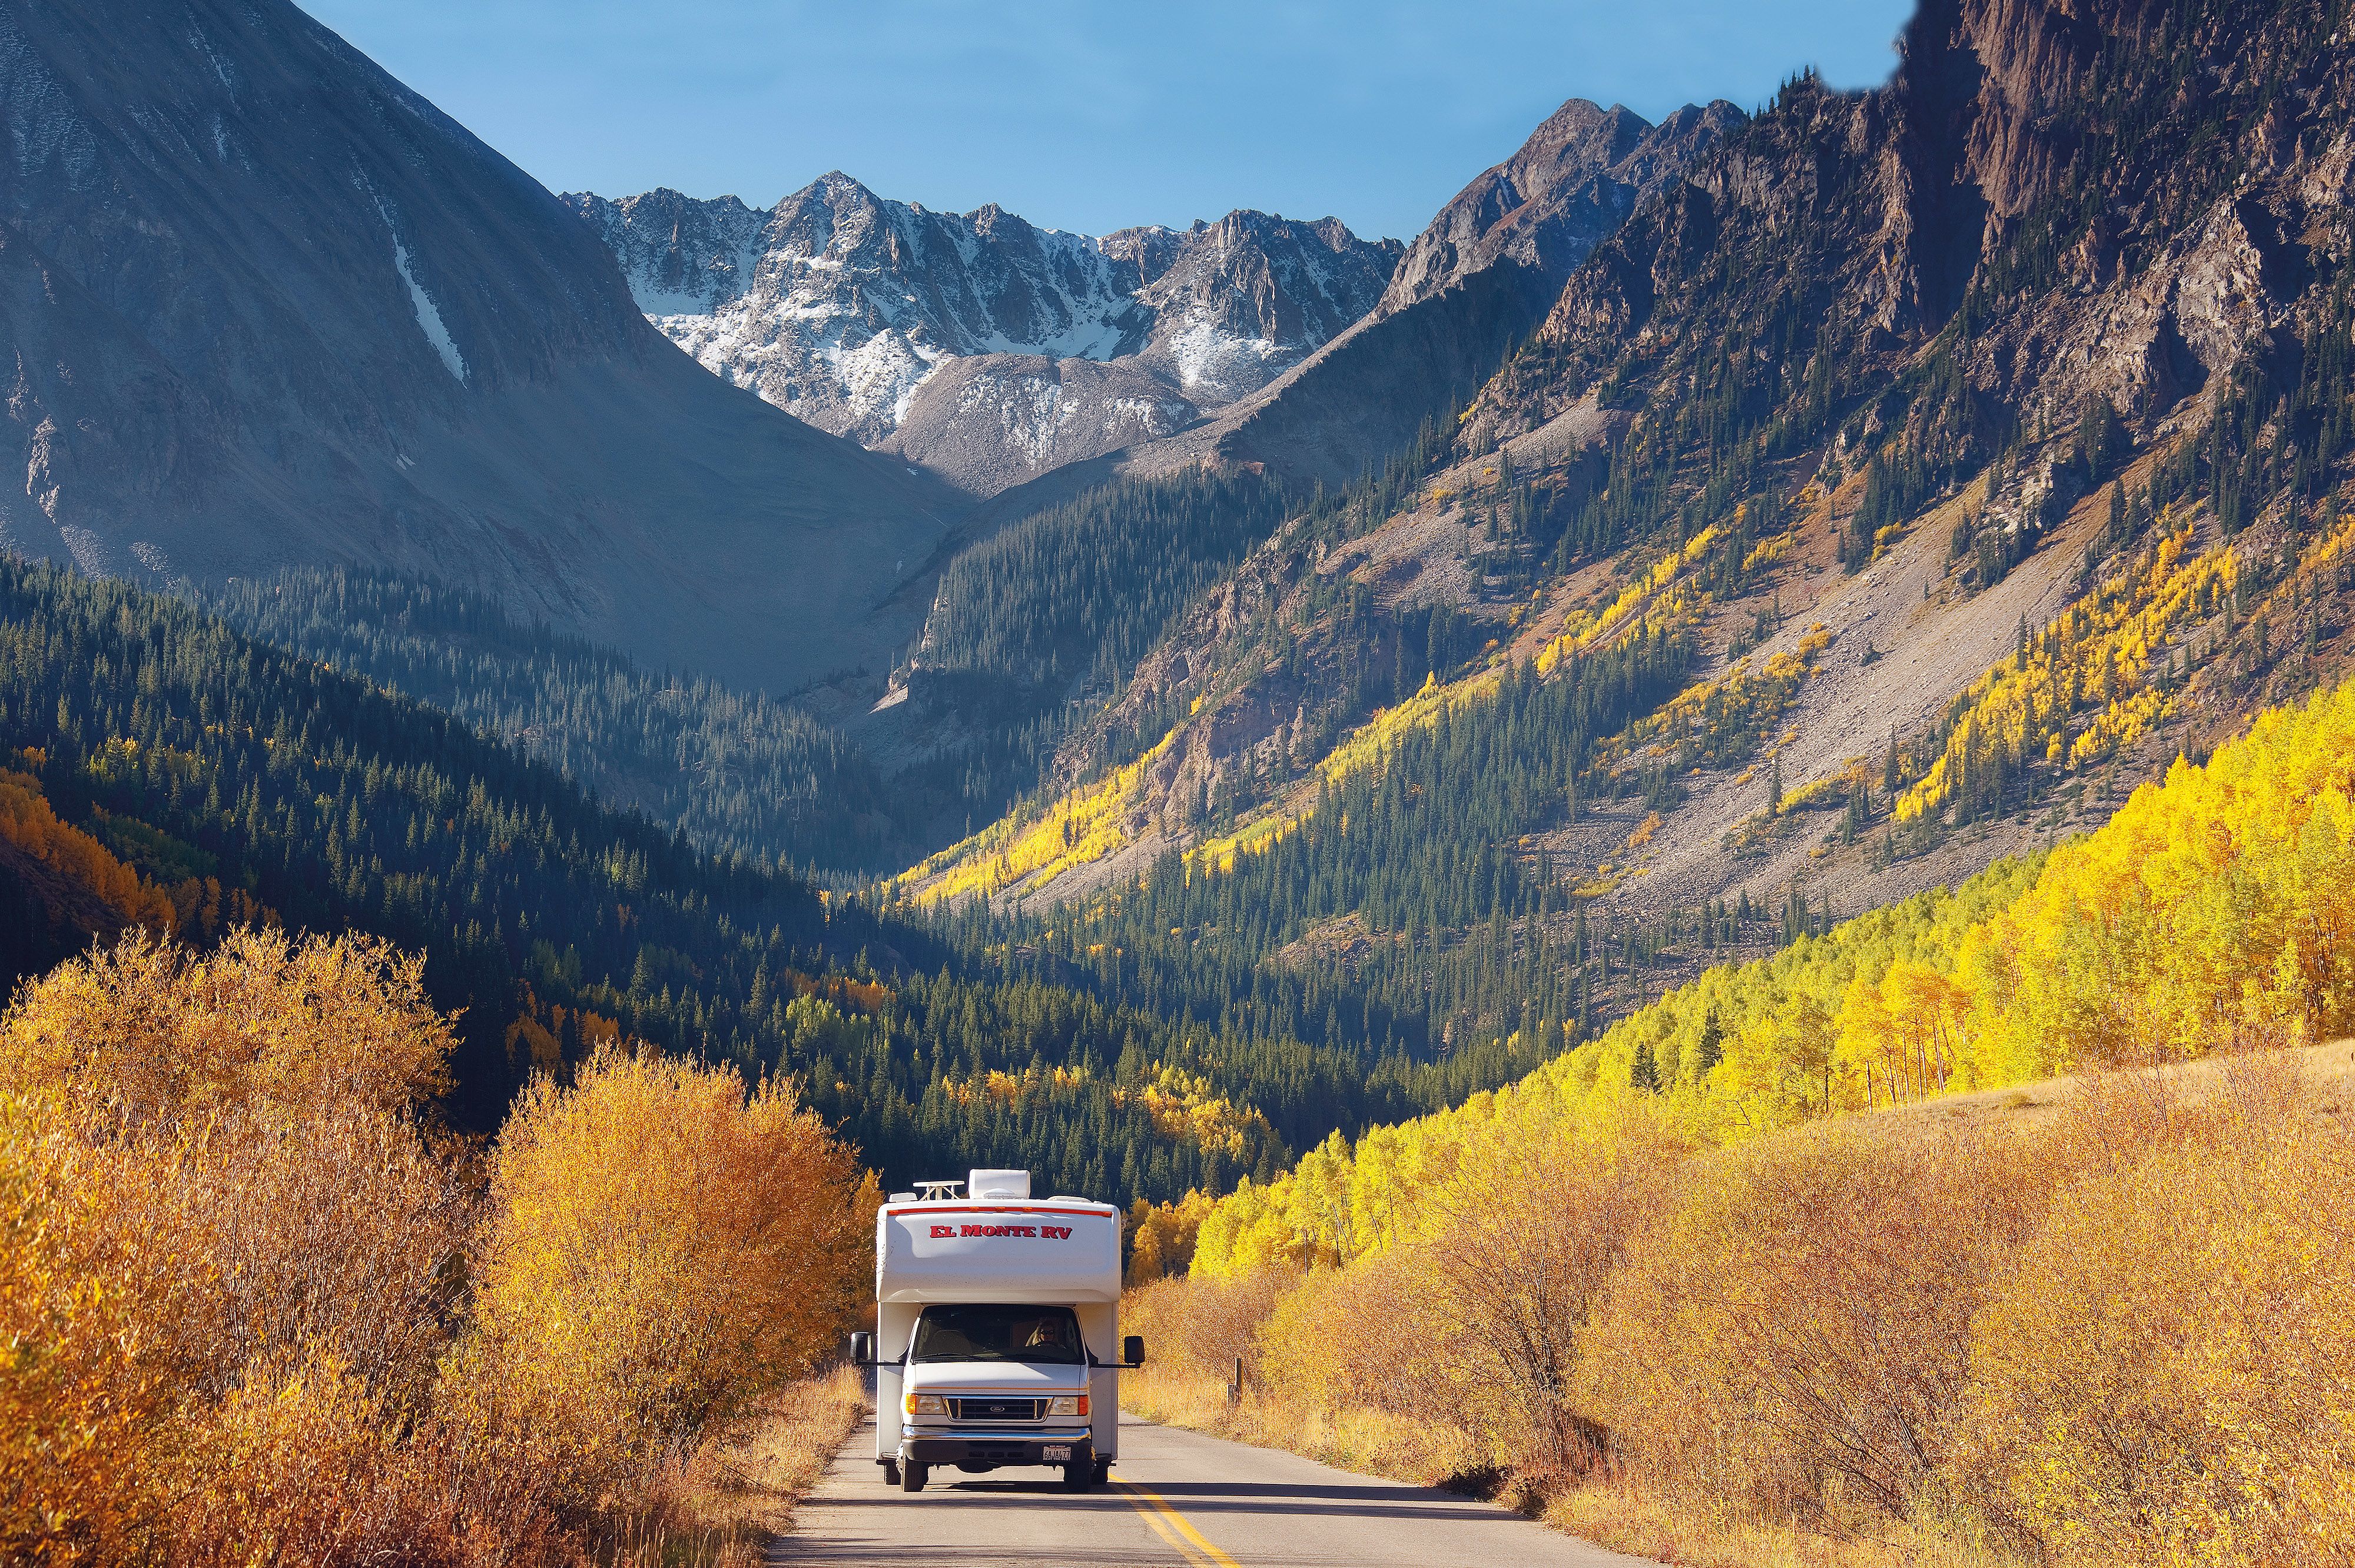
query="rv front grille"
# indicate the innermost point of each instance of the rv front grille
(998, 1453)
(997, 1409)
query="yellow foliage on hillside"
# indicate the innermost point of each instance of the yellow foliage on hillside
(1084, 827)
(31, 828)
(2216, 909)
(1585, 631)
(1186, 1106)
(1161, 1236)
(2097, 656)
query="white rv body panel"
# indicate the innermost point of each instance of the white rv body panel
(1053, 1253)
(1056, 1252)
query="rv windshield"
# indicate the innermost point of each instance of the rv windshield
(991, 1333)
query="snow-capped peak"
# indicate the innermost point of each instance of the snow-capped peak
(840, 305)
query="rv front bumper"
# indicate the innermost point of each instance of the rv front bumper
(932, 1446)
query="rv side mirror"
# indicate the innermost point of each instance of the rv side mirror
(862, 1350)
(1131, 1349)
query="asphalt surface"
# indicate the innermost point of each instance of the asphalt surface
(1176, 1497)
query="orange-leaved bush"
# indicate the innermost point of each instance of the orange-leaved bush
(257, 1307)
(219, 1189)
(663, 1248)
(74, 1411)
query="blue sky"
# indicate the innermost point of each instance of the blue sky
(1082, 114)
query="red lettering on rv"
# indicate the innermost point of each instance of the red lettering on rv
(1036, 1232)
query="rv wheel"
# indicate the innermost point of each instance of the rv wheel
(911, 1476)
(1103, 1472)
(1079, 1476)
(891, 1472)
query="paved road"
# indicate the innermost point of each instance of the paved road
(1176, 1497)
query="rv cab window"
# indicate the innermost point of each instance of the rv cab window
(1048, 1335)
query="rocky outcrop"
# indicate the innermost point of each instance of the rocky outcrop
(267, 306)
(1567, 189)
(2125, 207)
(1466, 291)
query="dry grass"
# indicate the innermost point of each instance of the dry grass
(720, 1506)
(1696, 1529)
(1370, 1442)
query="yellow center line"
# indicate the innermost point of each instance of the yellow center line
(1174, 1527)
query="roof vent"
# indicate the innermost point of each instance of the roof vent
(999, 1184)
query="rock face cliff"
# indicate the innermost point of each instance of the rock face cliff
(268, 306)
(2111, 200)
(1567, 189)
(977, 344)
(1903, 480)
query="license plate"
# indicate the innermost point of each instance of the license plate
(1055, 1451)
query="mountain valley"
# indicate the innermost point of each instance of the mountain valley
(1701, 533)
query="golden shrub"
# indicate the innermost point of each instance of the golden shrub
(1530, 1231)
(235, 1270)
(1373, 1336)
(2166, 1372)
(1794, 1328)
(149, 1031)
(1198, 1328)
(243, 1243)
(208, 1183)
(664, 1248)
(299, 1465)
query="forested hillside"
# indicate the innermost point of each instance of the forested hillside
(736, 773)
(167, 771)
(2214, 913)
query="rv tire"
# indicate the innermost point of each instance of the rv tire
(912, 1475)
(891, 1472)
(1103, 1472)
(1081, 1475)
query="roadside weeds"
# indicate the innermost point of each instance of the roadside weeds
(722, 1504)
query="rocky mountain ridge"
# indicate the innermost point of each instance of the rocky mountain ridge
(1467, 290)
(977, 345)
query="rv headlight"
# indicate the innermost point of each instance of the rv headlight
(1068, 1405)
(927, 1405)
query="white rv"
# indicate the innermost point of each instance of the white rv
(996, 1331)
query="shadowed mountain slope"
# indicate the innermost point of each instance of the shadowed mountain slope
(271, 308)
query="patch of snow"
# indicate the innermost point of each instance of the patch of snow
(838, 304)
(220, 65)
(429, 315)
